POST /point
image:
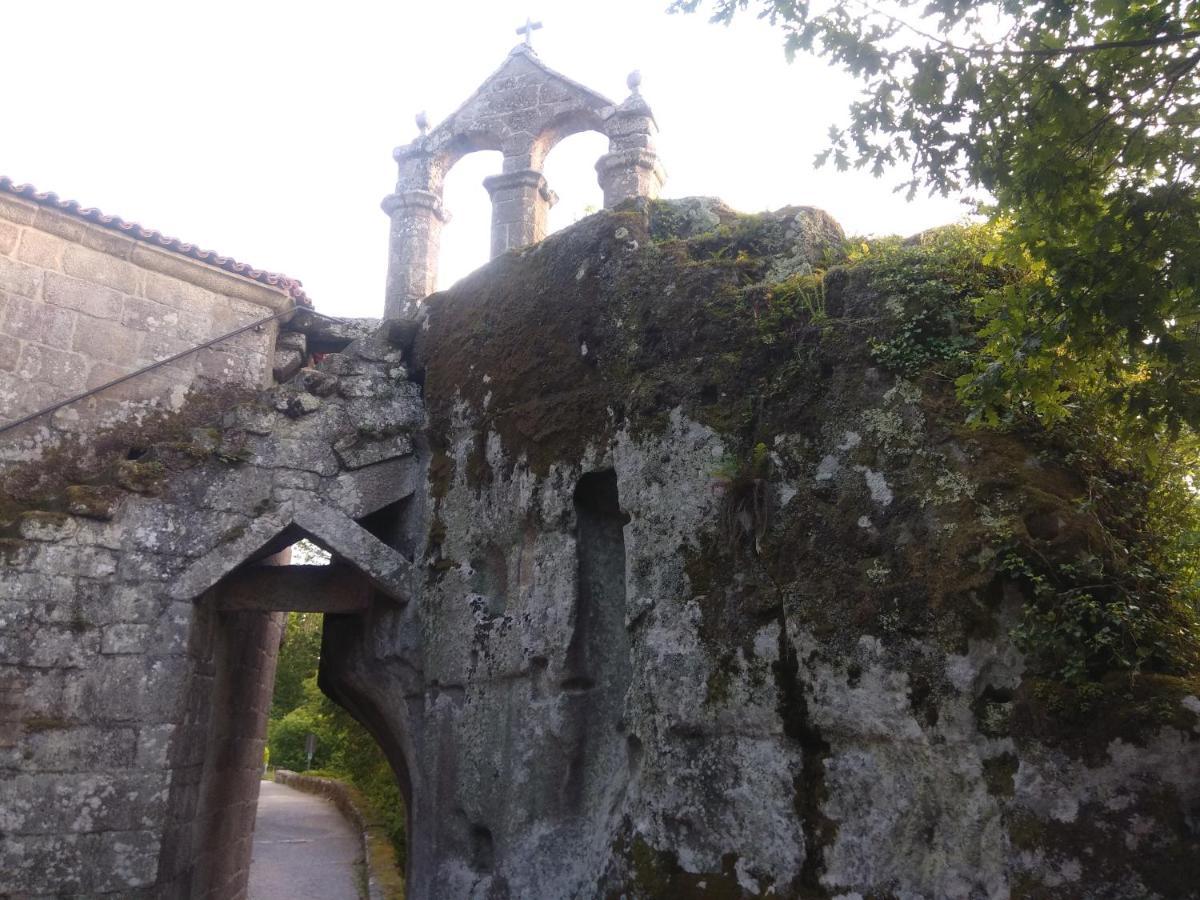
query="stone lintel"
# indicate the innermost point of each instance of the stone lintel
(332, 529)
(225, 557)
(326, 526)
(326, 589)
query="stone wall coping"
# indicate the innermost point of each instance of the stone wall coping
(384, 881)
(147, 248)
(277, 299)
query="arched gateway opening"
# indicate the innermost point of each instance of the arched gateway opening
(241, 608)
(299, 839)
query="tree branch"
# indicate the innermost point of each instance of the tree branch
(1076, 49)
(1047, 53)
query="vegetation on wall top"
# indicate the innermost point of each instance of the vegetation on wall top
(1077, 123)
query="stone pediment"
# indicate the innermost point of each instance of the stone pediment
(518, 103)
(329, 528)
(523, 109)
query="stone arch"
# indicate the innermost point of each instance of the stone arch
(417, 212)
(241, 590)
(465, 240)
(523, 109)
(566, 167)
(564, 126)
(459, 146)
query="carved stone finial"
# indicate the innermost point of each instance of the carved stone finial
(634, 80)
(422, 120)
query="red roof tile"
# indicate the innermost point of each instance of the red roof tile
(154, 238)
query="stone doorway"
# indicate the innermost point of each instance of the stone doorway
(236, 635)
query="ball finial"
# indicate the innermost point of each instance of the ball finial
(422, 120)
(634, 80)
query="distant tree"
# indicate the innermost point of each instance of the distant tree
(298, 657)
(1080, 122)
(344, 748)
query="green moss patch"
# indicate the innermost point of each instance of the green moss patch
(1083, 719)
(655, 874)
(786, 342)
(99, 463)
(1165, 863)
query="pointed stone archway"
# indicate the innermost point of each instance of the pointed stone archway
(382, 567)
(242, 590)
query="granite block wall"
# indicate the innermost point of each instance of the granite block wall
(81, 305)
(133, 705)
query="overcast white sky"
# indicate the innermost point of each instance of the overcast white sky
(263, 130)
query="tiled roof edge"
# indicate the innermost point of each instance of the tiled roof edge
(155, 238)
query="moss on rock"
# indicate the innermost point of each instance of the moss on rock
(854, 511)
(670, 304)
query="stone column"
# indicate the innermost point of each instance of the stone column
(631, 167)
(521, 203)
(416, 236)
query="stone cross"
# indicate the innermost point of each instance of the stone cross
(528, 29)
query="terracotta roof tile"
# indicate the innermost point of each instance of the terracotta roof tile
(154, 238)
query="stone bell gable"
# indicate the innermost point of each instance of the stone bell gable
(523, 109)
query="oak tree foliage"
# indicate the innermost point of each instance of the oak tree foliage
(1079, 122)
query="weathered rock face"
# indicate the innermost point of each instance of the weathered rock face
(702, 611)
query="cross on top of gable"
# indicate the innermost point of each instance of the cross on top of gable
(523, 109)
(528, 29)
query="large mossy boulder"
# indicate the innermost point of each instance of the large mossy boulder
(725, 597)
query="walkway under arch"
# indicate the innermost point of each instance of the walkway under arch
(304, 849)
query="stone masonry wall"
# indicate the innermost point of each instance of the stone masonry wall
(132, 703)
(672, 592)
(81, 304)
(217, 763)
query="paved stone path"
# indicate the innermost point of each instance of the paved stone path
(303, 848)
